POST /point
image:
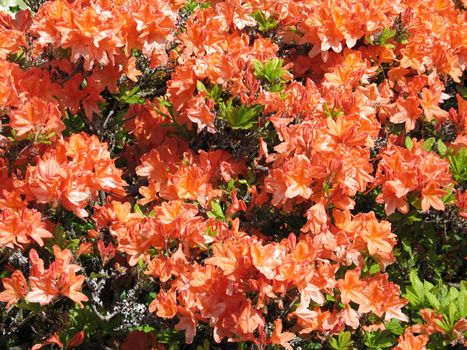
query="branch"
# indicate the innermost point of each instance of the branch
(153, 92)
(133, 190)
(14, 326)
(105, 318)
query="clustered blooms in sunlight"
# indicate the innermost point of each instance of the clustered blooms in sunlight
(219, 154)
(45, 285)
(402, 171)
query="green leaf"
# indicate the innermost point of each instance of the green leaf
(444, 324)
(271, 73)
(458, 165)
(395, 327)
(73, 244)
(230, 186)
(59, 238)
(264, 24)
(343, 341)
(26, 305)
(428, 285)
(408, 143)
(412, 216)
(200, 86)
(386, 35)
(259, 68)
(129, 96)
(463, 286)
(216, 211)
(428, 144)
(333, 343)
(333, 113)
(434, 302)
(383, 38)
(206, 344)
(406, 246)
(137, 209)
(442, 148)
(374, 269)
(379, 340)
(241, 117)
(144, 328)
(412, 297)
(449, 197)
(417, 285)
(462, 303)
(452, 313)
(452, 295)
(191, 6)
(215, 93)
(462, 90)
(294, 30)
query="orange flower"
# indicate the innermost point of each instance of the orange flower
(229, 257)
(200, 112)
(292, 180)
(10, 41)
(352, 288)
(137, 239)
(140, 340)
(432, 196)
(73, 172)
(378, 236)
(461, 202)
(130, 69)
(350, 317)
(383, 297)
(281, 338)
(267, 258)
(37, 118)
(430, 103)
(54, 339)
(59, 279)
(298, 179)
(18, 228)
(165, 304)
(249, 318)
(15, 288)
(408, 341)
(408, 112)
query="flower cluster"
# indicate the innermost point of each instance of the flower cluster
(274, 173)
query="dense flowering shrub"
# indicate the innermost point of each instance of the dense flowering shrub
(233, 174)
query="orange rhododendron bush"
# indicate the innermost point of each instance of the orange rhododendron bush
(237, 174)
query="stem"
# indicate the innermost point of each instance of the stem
(14, 327)
(105, 318)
